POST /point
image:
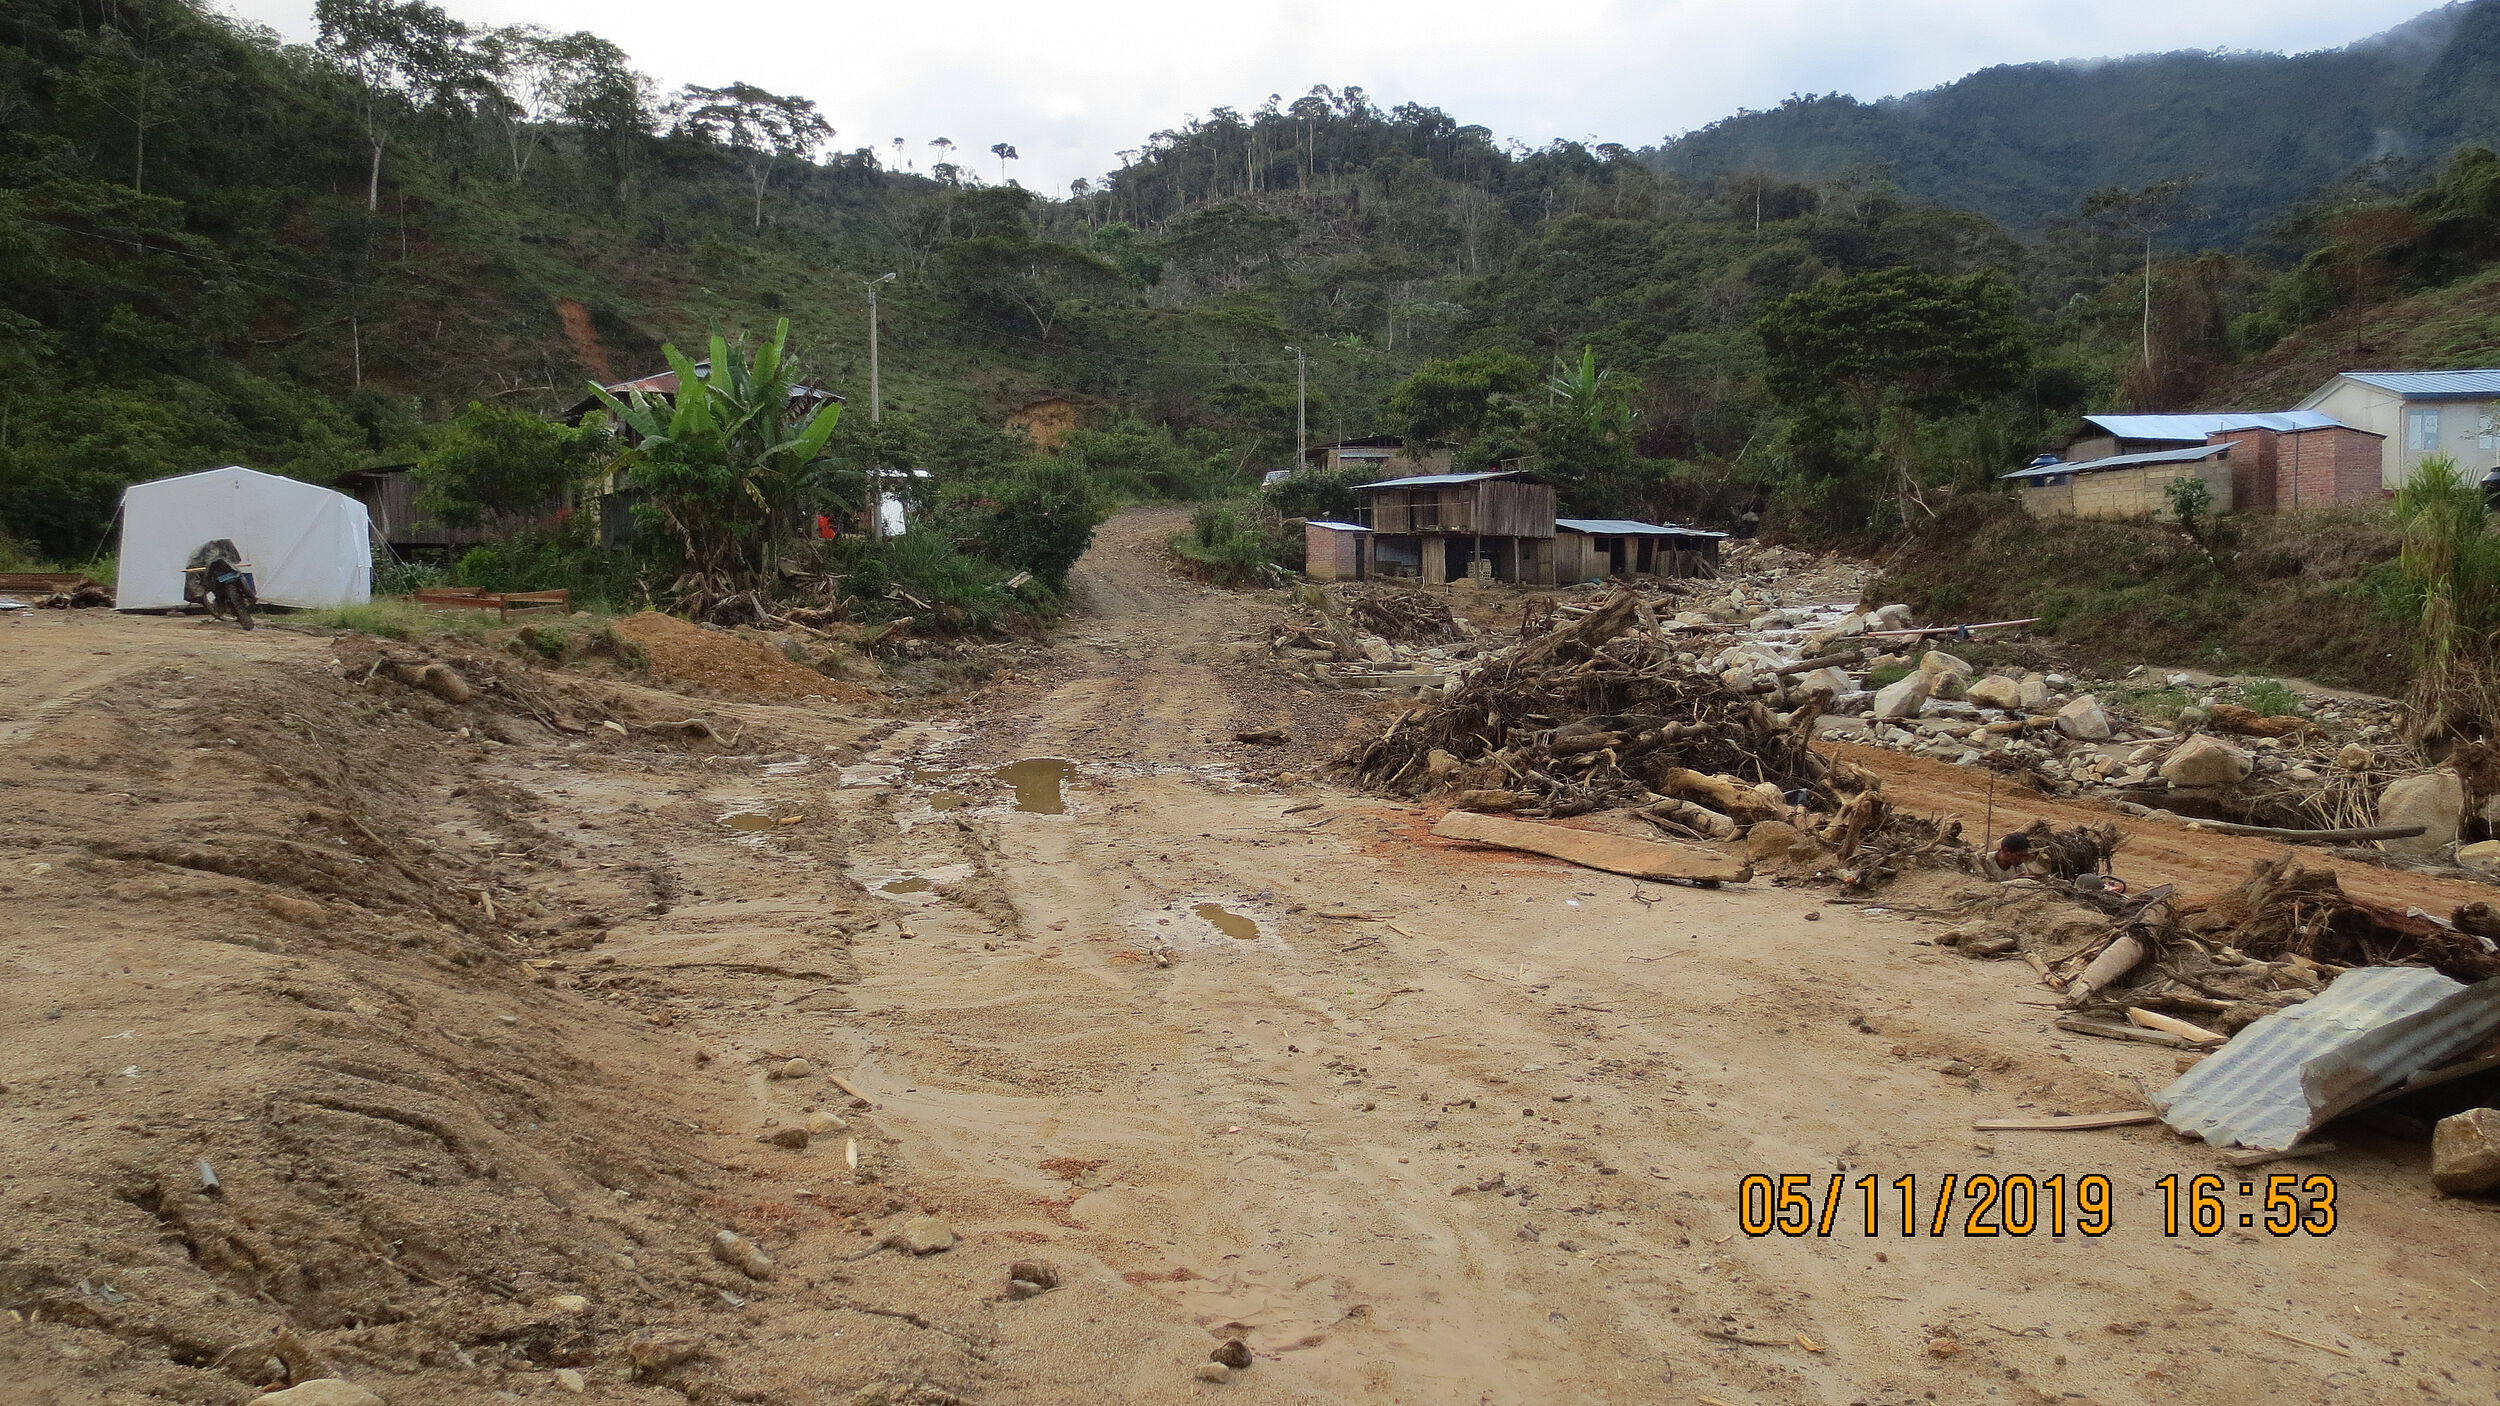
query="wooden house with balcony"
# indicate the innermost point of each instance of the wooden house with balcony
(1496, 524)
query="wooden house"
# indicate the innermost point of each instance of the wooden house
(1377, 454)
(389, 494)
(1440, 527)
(1588, 549)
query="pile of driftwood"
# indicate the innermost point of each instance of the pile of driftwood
(1402, 615)
(1597, 714)
(2154, 969)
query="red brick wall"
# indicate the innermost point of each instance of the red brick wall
(2322, 467)
(2253, 458)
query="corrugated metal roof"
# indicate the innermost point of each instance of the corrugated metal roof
(2433, 385)
(1431, 480)
(1335, 526)
(2292, 1070)
(1625, 527)
(2123, 461)
(2192, 429)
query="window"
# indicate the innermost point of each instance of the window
(2422, 429)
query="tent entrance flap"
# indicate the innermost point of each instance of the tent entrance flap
(308, 547)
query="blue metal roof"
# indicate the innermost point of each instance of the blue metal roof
(2432, 385)
(2192, 429)
(1625, 527)
(1431, 480)
(2124, 461)
(1334, 526)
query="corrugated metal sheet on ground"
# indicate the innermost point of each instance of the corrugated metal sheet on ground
(2424, 385)
(2295, 1069)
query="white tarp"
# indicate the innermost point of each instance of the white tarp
(306, 545)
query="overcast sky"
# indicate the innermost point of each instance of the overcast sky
(1072, 85)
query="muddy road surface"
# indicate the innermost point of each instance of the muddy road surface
(479, 1012)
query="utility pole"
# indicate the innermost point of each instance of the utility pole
(876, 412)
(1301, 407)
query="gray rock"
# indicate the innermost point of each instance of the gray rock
(2483, 858)
(2083, 720)
(792, 1137)
(1902, 698)
(2206, 761)
(2434, 800)
(796, 1069)
(571, 1380)
(1936, 661)
(2355, 757)
(323, 1391)
(1995, 691)
(2465, 1154)
(1213, 1372)
(742, 1255)
(2035, 691)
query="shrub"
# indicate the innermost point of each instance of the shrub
(2269, 698)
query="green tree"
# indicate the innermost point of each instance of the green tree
(762, 129)
(493, 461)
(1449, 402)
(405, 57)
(1043, 518)
(1862, 360)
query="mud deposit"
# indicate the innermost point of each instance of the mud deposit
(488, 1030)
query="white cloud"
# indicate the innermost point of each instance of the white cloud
(1072, 85)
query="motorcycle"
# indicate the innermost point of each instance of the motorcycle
(219, 578)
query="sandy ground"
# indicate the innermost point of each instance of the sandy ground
(1239, 1057)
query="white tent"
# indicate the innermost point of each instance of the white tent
(306, 545)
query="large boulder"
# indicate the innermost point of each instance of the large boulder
(2434, 800)
(1846, 627)
(1830, 681)
(2465, 1152)
(1903, 698)
(2206, 761)
(2083, 720)
(1890, 617)
(1995, 691)
(2035, 691)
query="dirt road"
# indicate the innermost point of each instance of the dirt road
(1238, 1057)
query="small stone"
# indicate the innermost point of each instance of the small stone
(1955, 1069)
(295, 910)
(796, 1069)
(1025, 1278)
(571, 1380)
(569, 1304)
(1213, 1372)
(1233, 1353)
(821, 1123)
(792, 1137)
(1440, 764)
(2465, 1152)
(322, 1391)
(922, 1235)
(654, 1353)
(742, 1255)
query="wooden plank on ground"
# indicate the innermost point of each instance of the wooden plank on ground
(1616, 854)
(2063, 1122)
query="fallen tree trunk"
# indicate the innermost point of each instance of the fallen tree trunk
(2269, 832)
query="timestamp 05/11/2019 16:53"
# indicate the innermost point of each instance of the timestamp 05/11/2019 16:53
(1987, 1205)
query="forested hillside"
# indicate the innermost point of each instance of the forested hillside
(2253, 136)
(215, 247)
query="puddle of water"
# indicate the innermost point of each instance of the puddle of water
(949, 800)
(1228, 922)
(750, 820)
(1037, 781)
(906, 885)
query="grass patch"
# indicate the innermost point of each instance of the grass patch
(1888, 675)
(2269, 698)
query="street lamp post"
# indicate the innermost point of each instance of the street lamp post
(1301, 407)
(876, 411)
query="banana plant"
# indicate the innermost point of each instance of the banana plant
(728, 436)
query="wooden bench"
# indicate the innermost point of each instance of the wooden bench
(505, 604)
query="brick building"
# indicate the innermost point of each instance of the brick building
(2284, 471)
